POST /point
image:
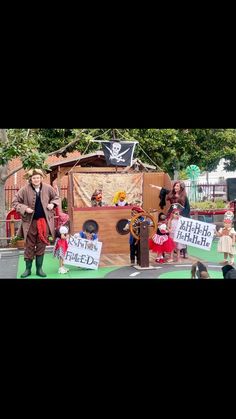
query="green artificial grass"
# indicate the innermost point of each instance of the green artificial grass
(210, 256)
(186, 274)
(51, 266)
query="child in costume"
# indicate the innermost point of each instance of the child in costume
(172, 225)
(60, 248)
(176, 195)
(119, 199)
(227, 238)
(161, 242)
(134, 243)
(88, 234)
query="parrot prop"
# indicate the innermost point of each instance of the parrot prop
(193, 173)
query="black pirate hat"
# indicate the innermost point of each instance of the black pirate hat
(175, 207)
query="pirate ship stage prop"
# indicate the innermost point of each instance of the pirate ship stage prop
(107, 172)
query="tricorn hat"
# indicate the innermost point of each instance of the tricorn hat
(176, 207)
(137, 209)
(33, 172)
(228, 216)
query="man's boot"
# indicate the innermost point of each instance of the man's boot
(28, 264)
(39, 264)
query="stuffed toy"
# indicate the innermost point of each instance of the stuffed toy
(119, 199)
(96, 198)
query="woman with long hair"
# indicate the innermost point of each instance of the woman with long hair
(177, 195)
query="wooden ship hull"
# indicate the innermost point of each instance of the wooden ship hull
(108, 219)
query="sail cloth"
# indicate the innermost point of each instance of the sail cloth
(119, 153)
(85, 184)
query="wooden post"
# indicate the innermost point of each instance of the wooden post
(59, 180)
(144, 248)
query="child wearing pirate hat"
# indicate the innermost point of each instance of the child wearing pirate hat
(134, 244)
(227, 239)
(172, 226)
(160, 242)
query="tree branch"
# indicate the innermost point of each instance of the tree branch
(60, 151)
(63, 149)
(4, 178)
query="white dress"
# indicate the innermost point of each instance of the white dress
(173, 226)
(225, 244)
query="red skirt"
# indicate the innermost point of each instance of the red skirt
(168, 246)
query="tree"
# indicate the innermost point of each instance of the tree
(178, 148)
(168, 149)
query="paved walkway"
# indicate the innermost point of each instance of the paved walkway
(8, 264)
(9, 261)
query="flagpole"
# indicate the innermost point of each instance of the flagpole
(114, 139)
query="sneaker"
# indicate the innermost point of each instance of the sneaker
(66, 269)
(161, 260)
(62, 270)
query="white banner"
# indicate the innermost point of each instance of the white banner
(194, 233)
(83, 253)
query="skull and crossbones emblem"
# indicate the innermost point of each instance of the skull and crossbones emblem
(115, 152)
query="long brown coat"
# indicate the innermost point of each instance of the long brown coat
(26, 197)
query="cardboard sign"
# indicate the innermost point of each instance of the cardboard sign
(83, 253)
(194, 233)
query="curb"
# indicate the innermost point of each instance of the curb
(9, 251)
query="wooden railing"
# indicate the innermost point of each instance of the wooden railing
(12, 223)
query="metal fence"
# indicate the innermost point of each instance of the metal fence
(208, 192)
(10, 193)
(204, 192)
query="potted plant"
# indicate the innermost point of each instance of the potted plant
(17, 241)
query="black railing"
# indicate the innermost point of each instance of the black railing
(204, 192)
(208, 191)
(10, 193)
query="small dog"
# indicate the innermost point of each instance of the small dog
(199, 271)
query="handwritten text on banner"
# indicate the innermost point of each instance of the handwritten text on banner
(194, 233)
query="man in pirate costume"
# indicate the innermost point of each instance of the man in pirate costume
(35, 203)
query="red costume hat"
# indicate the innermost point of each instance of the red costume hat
(227, 221)
(176, 208)
(137, 209)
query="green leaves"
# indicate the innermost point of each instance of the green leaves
(168, 148)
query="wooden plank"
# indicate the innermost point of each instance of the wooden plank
(97, 170)
(70, 201)
(112, 240)
(151, 195)
(144, 248)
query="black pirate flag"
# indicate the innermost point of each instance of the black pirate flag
(118, 153)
